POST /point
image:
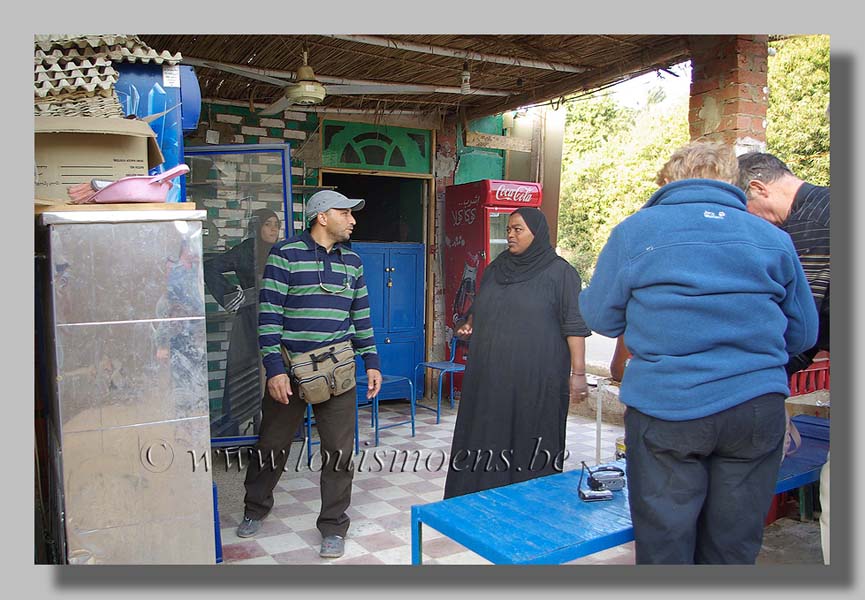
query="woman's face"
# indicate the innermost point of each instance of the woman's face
(270, 230)
(519, 235)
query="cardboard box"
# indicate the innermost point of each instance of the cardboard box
(73, 150)
(815, 404)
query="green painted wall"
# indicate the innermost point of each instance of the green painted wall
(480, 163)
(354, 145)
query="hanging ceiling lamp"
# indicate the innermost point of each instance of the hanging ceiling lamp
(465, 84)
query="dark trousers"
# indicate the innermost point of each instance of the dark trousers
(700, 490)
(335, 421)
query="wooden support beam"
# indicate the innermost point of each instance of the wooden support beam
(676, 51)
(282, 79)
(498, 142)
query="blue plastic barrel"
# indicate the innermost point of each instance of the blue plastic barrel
(145, 90)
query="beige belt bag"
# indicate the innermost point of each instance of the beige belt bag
(323, 372)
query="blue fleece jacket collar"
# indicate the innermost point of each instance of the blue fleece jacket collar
(689, 191)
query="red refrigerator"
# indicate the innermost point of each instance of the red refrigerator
(476, 216)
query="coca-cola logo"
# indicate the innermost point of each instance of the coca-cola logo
(514, 193)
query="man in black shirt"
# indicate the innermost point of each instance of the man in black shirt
(802, 210)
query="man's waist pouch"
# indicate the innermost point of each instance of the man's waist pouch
(323, 372)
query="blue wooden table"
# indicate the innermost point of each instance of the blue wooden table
(543, 521)
(803, 467)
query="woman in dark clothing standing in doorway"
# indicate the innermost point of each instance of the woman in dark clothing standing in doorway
(246, 260)
(241, 397)
(526, 361)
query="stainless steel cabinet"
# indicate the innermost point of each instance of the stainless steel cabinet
(128, 417)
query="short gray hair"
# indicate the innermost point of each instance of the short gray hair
(761, 166)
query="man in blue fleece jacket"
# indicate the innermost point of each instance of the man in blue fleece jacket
(712, 301)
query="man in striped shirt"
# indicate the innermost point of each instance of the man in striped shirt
(802, 210)
(313, 294)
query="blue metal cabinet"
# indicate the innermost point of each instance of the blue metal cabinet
(394, 274)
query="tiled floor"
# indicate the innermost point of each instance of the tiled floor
(381, 498)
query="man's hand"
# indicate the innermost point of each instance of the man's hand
(579, 389)
(373, 376)
(279, 388)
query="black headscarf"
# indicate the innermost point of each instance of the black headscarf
(257, 220)
(513, 268)
(253, 231)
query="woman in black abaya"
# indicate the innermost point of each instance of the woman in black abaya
(526, 362)
(241, 397)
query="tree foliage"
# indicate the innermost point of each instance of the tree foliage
(611, 156)
(797, 129)
(612, 153)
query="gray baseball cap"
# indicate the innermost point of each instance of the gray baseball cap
(326, 199)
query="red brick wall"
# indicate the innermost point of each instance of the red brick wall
(728, 89)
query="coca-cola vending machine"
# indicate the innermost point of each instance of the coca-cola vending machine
(476, 219)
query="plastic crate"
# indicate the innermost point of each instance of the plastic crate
(815, 377)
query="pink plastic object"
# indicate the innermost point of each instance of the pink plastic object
(140, 188)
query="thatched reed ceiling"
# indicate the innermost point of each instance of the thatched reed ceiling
(574, 63)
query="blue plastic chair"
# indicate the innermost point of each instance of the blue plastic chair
(308, 422)
(444, 367)
(391, 387)
(393, 382)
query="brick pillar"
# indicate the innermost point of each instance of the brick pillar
(729, 90)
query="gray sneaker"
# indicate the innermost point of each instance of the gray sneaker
(332, 546)
(248, 527)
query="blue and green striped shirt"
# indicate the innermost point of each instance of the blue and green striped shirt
(294, 310)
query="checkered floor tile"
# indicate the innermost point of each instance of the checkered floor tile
(382, 498)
